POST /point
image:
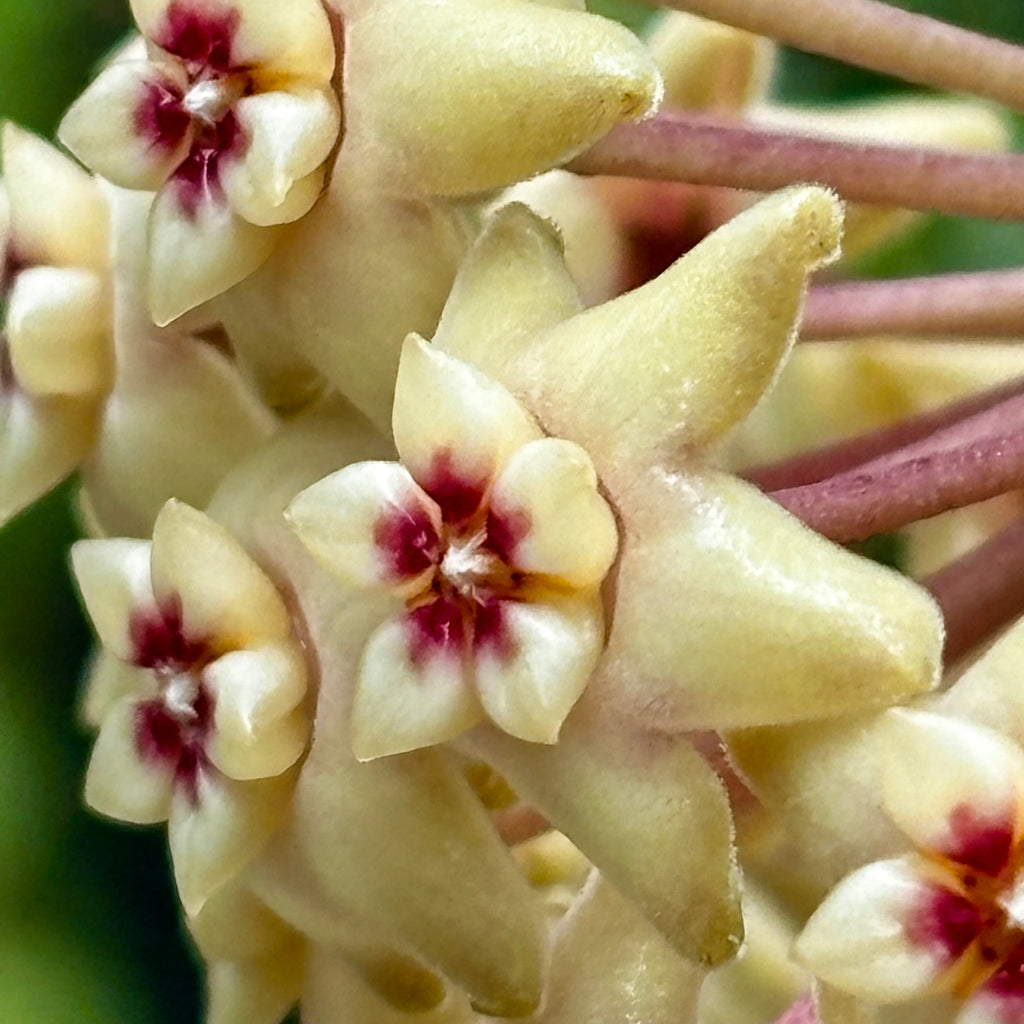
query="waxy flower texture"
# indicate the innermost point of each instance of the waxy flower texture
(531, 577)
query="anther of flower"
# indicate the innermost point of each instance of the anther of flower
(198, 694)
(495, 538)
(56, 358)
(229, 115)
(946, 918)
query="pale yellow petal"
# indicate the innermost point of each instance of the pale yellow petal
(259, 991)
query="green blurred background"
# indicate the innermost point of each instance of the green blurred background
(88, 928)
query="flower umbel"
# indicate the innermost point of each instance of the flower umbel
(497, 540)
(198, 695)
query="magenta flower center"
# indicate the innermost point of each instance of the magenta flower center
(171, 729)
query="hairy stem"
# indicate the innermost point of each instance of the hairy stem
(988, 304)
(810, 467)
(982, 591)
(706, 150)
(884, 38)
(968, 462)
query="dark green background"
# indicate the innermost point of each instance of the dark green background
(88, 930)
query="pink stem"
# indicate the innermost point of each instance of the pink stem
(801, 1012)
(989, 304)
(809, 467)
(884, 38)
(982, 591)
(968, 462)
(706, 150)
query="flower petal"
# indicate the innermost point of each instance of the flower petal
(108, 680)
(603, 786)
(413, 690)
(224, 596)
(290, 134)
(545, 82)
(130, 125)
(372, 525)
(1000, 1001)
(58, 215)
(121, 782)
(114, 580)
(259, 728)
(673, 365)
(954, 788)
(58, 328)
(260, 991)
(886, 932)
(532, 660)
(454, 428)
(213, 836)
(609, 965)
(512, 283)
(546, 516)
(197, 254)
(730, 613)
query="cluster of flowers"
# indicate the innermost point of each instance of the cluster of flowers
(468, 673)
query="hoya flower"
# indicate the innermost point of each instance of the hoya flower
(229, 116)
(198, 694)
(56, 359)
(945, 919)
(481, 96)
(495, 539)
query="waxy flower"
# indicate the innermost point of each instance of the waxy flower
(56, 358)
(496, 539)
(948, 917)
(198, 694)
(229, 116)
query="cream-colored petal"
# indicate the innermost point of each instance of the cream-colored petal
(121, 781)
(58, 329)
(674, 364)
(235, 924)
(454, 428)
(953, 787)
(372, 525)
(346, 286)
(871, 937)
(58, 215)
(195, 257)
(545, 82)
(107, 681)
(114, 581)
(534, 662)
(179, 418)
(730, 613)
(413, 688)
(709, 66)
(989, 1005)
(259, 728)
(647, 810)
(296, 202)
(41, 442)
(5, 223)
(548, 517)
(512, 283)
(224, 596)
(130, 126)
(610, 965)
(259, 991)
(273, 40)
(213, 837)
(289, 134)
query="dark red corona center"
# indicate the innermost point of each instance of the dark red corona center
(977, 842)
(197, 178)
(408, 540)
(160, 118)
(945, 923)
(457, 496)
(175, 737)
(202, 37)
(160, 642)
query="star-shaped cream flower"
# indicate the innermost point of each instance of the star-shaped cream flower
(198, 694)
(947, 918)
(229, 116)
(495, 539)
(56, 359)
